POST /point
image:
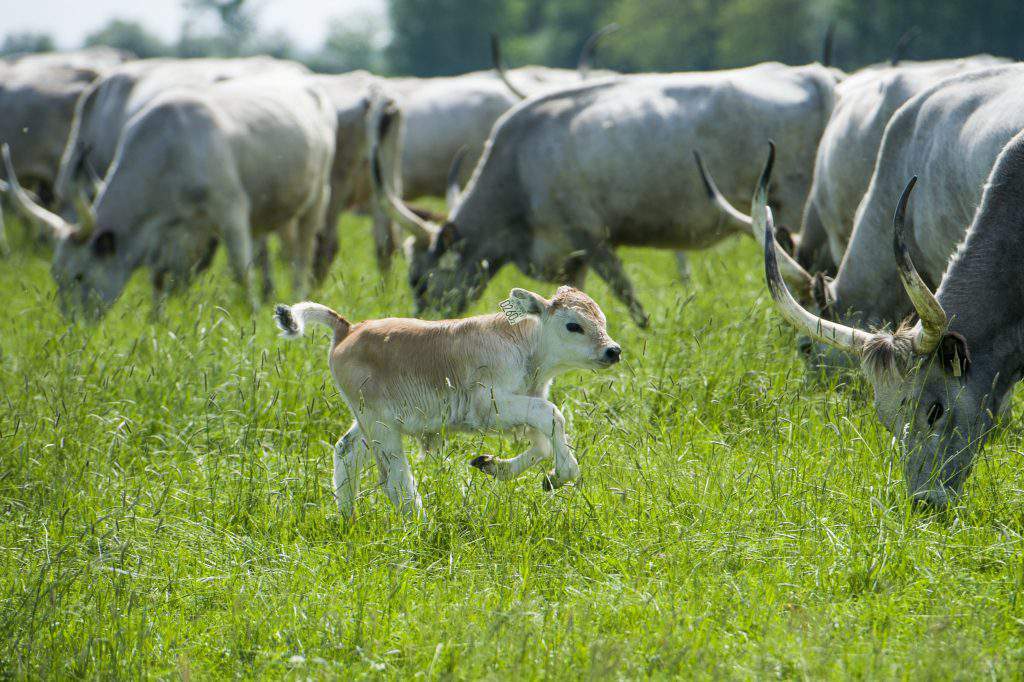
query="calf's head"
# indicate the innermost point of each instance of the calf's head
(573, 329)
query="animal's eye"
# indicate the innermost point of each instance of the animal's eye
(574, 328)
(935, 413)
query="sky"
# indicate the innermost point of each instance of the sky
(69, 21)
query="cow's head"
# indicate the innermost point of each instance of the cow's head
(445, 271)
(927, 393)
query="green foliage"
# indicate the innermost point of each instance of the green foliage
(130, 36)
(443, 37)
(355, 43)
(27, 42)
(167, 512)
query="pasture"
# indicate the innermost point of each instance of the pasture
(166, 504)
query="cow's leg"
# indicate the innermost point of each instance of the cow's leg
(395, 472)
(683, 267)
(609, 268)
(238, 242)
(506, 469)
(351, 457)
(507, 411)
(309, 224)
(574, 271)
(263, 260)
(384, 239)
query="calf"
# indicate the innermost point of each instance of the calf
(404, 377)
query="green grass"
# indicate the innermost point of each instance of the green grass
(166, 506)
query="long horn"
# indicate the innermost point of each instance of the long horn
(420, 229)
(836, 335)
(716, 197)
(792, 272)
(900, 49)
(499, 68)
(933, 318)
(827, 45)
(584, 63)
(453, 190)
(57, 225)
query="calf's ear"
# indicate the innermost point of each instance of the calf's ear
(528, 302)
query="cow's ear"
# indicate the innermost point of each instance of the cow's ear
(954, 354)
(104, 244)
(449, 235)
(528, 302)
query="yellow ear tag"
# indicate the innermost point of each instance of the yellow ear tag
(513, 310)
(957, 371)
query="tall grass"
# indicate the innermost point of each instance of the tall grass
(166, 506)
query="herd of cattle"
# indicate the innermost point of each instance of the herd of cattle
(153, 163)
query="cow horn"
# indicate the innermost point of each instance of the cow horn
(827, 45)
(453, 190)
(837, 335)
(59, 227)
(933, 318)
(716, 197)
(499, 68)
(420, 229)
(899, 51)
(586, 59)
(792, 272)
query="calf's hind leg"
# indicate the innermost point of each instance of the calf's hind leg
(351, 457)
(399, 484)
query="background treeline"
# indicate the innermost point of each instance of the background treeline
(439, 37)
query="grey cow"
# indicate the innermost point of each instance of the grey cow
(230, 161)
(102, 113)
(566, 177)
(951, 135)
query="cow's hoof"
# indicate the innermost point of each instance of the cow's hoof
(484, 463)
(551, 481)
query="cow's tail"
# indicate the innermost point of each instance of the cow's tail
(292, 319)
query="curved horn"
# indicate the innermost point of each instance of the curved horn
(837, 335)
(899, 51)
(59, 227)
(826, 47)
(584, 63)
(420, 229)
(933, 318)
(792, 272)
(499, 68)
(716, 196)
(454, 170)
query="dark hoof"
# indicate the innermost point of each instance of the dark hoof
(548, 482)
(484, 463)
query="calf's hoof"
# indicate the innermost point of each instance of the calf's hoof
(484, 463)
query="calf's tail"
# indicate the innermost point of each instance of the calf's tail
(292, 319)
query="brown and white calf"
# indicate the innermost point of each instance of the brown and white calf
(410, 377)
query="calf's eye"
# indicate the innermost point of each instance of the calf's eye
(574, 328)
(935, 413)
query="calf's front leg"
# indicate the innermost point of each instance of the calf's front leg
(507, 469)
(509, 410)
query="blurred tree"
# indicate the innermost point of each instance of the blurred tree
(443, 37)
(235, 28)
(128, 35)
(20, 43)
(663, 35)
(355, 42)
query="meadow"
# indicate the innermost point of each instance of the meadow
(167, 512)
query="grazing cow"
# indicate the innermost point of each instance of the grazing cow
(845, 161)
(442, 115)
(403, 377)
(568, 176)
(37, 104)
(940, 383)
(103, 111)
(951, 134)
(231, 161)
